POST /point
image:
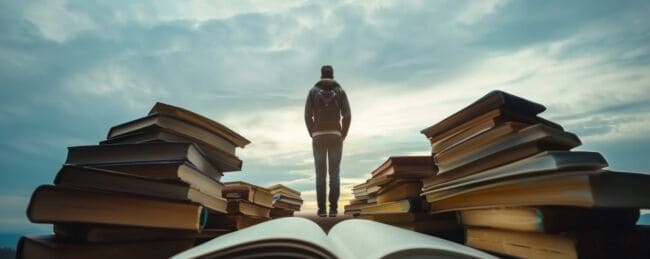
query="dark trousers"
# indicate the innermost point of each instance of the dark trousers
(327, 148)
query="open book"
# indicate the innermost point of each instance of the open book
(301, 238)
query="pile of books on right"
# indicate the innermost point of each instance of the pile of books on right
(520, 191)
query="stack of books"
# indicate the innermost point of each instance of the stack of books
(521, 192)
(286, 201)
(248, 204)
(394, 198)
(361, 199)
(146, 191)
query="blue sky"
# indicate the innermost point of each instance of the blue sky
(72, 69)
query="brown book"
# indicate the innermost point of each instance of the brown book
(248, 208)
(399, 190)
(108, 233)
(234, 222)
(406, 165)
(464, 149)
(284, 205)
(50, 204)
(175, 171)
(403, 206)
(226, 161)
(625, 243)
(492, 158)
(597, 189)
(525, 142)
(51, 247)
(282, 189)
(547, 162)
(432, 226)
(99, 179)
(279, 213)
(397, 218)
(472, 128)
(139, 153)
(550, 219)
(196, 119)
(355, 209)
(249, 192)
(492, 101)
(287, 199)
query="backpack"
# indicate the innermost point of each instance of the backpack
(326, 106)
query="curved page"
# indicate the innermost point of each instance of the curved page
(291, 229)
(358, 238)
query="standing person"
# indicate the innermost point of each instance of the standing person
(327, 106)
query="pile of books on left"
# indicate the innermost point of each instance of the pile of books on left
(147, 191)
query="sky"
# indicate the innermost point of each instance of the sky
(69, 70)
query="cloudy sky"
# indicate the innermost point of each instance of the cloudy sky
(69, 70)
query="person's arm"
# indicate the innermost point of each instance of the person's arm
(346, 113)
(309, 114)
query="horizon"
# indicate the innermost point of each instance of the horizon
(71, 70)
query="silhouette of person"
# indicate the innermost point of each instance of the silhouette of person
(327, 116)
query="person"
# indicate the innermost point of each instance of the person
(327, 116)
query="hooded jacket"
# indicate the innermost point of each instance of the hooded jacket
(317, 124)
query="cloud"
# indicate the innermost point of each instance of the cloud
(71, 70)
(56, 22)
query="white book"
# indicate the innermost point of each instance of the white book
(354, 238)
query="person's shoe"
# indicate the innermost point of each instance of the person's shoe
(333, 213)
(322, 213)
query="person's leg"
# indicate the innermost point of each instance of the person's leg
(319, 162)
(334, 152)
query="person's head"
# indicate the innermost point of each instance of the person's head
(327, 71)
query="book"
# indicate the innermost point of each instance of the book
(301, 238)
(524, 143)
(233, 222)
(173, 171)
(491, 101)
(197, 119)
(55, 204)
(94, 233)
(352, 209)
(590, 189)
(226, 161)
(99, 179)
(248, 208)
(440, 226)
(465, 148)
(281, 197)
(285, 205)
(406, 165)
(144, 152)
(545, 162)
(403, 206)
(399, 190)
(477, 126)
(550, 219)
(249, 192)
(396, 218)
(626, 243)
(282, 189)
(52, 247)
(280, 212)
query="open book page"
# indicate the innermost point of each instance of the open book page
(291, 228)
(357, 238)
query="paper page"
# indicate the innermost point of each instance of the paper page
(284, 228)
(358, 238)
